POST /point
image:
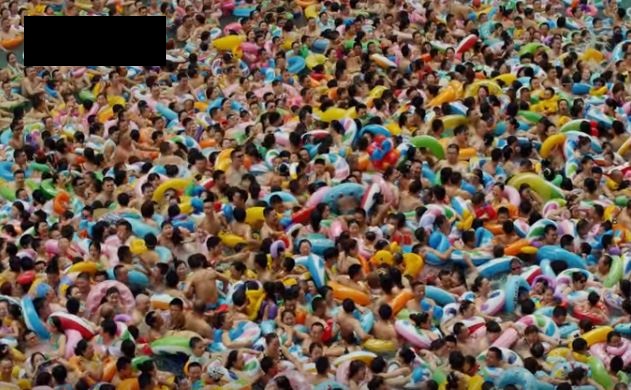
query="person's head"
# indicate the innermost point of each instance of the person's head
(550, 234)
(385, 312)
(316, 331)
(197, 345)
(578, 280)
(579, 345)
(123, 367)
(614, 339)
(467, 309)
(559, 315)
(461, 332)
(493, 357)
(357, 371)
(60, 374)
(6, 367)
(456, 360)
(176, 307)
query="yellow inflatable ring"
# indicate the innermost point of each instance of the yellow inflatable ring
(175, 184)
(380, 346)
(314, 60)
(137, 246)
(413, 264)
(382, 61)
(254, 215)
(84, 266)
(229, 42)
(231, 240)
(550, 143)
(598, 335)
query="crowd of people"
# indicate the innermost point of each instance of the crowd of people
(364, 194)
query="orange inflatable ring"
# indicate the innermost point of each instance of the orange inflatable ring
(208, 143)
(515, 248)
(109, 371)
(342, 292)
(60, 203)
(512, 210)
(529, 250)
(200, 106)
(129, 384)
(400, 301)
(494, 228)
(11, 44)
(306, 3)
(365, 265)
(467, 153)
(301, 316)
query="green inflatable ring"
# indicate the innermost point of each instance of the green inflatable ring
(621, 201)
(430, 143)
(86, 95)
(48, 188)
(43, 168)
(615, 273)
(7, 192)
(573, 125)
(599, 372)
(530, 116)
(530, 48)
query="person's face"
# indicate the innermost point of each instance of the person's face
(515, 268)
(167, 230)
(353, 228)
(123, 275)
(316, 353)
(305, 248)
(452, 155)
(4, 309)
(113, 299)
(175, 311)
(198, 350)
(31, 340)
(580, 284)
(6, 367)
(195, 373)
(82, 284)
(469, 312)
(361, 374)
(492, 359)
(289, 319)
(419, 292)
(616, 341)
(317, 332)
(552, 235)
(38, 359)
(181, 271)
(209, 208)
(108, 186)
(122, 233)
(89, 352)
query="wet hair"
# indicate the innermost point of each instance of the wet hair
(579, 344)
